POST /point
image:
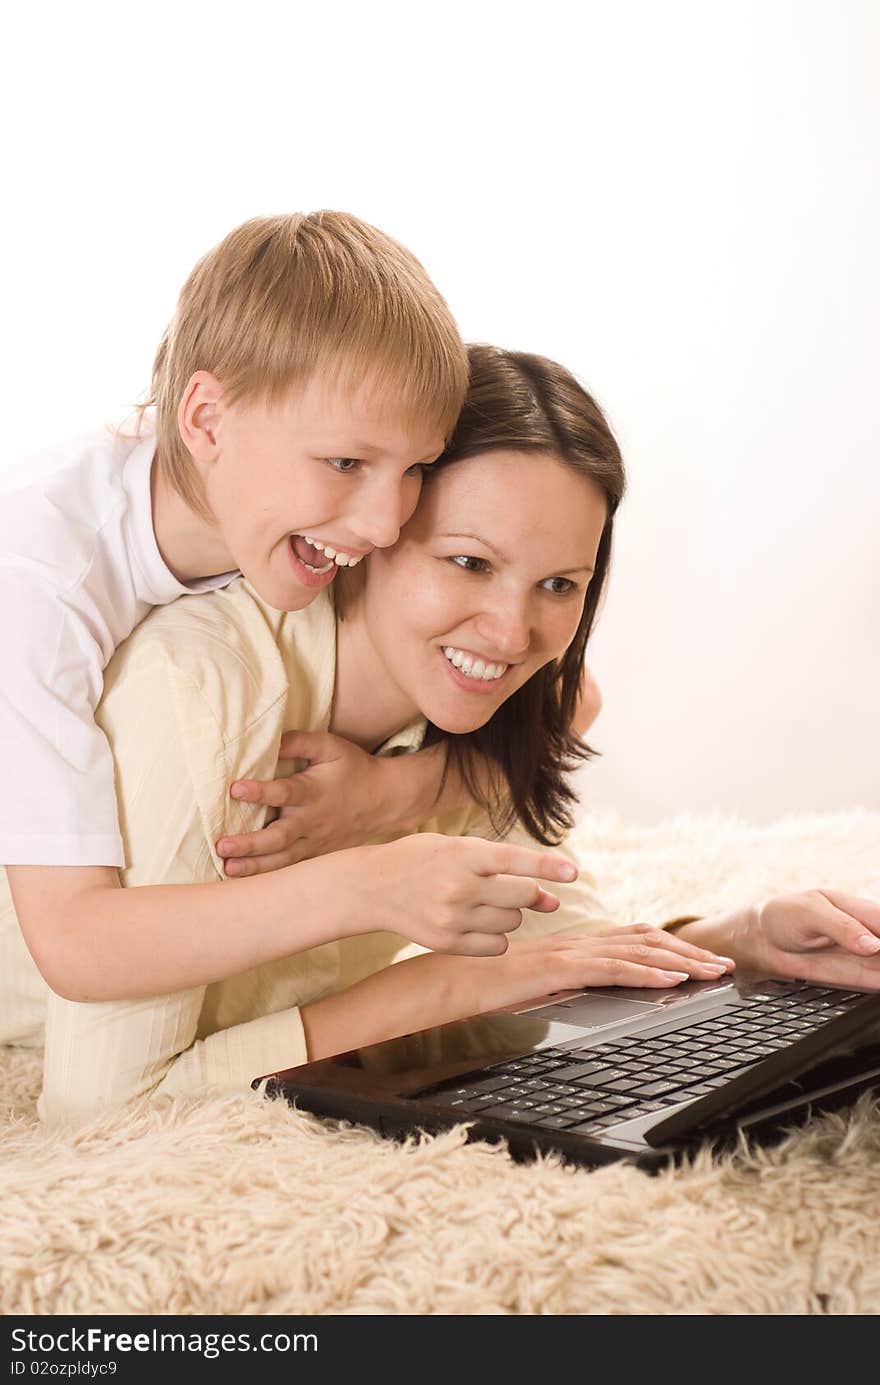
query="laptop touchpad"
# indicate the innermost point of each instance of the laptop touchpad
(593, 1011)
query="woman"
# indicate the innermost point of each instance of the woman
(477, 621)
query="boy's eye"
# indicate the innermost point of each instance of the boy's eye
(343, 463)
(559, 586)
(470, 564)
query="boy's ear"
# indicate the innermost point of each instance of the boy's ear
(198, 415)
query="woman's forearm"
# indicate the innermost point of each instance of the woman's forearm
(415, 994)
(432, 989)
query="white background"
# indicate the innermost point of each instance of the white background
(679, 201)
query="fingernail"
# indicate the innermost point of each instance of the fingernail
(238, 791)
(677, 975)
(717, 967)
(567, 871)
(868, 943)
(223, 848)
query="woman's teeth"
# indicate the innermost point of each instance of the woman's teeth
(471, 667)
(340, 559)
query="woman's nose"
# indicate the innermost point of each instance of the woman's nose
(507, 630)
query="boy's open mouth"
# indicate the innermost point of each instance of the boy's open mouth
(315, 553)
(310, 555)
(310, 568)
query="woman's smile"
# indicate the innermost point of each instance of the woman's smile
(473, 674)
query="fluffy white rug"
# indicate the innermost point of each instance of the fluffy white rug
(242, 1206)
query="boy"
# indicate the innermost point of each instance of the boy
(310, 371)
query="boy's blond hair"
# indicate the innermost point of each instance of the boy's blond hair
(284, 297)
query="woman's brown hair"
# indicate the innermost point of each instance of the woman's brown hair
(524, 403)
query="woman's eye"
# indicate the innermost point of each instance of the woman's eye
(559, 586)
(343, 463)
(470, 564)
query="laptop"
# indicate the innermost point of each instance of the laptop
(612, 1073)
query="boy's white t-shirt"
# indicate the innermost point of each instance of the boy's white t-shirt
(79, 569)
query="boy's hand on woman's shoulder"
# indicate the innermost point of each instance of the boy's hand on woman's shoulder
(332, 804)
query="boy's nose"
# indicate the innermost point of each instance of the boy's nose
(382, 516)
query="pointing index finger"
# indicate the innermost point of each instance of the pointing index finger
(525, 860)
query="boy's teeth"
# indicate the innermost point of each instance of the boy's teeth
(473, 668)
(340, 559)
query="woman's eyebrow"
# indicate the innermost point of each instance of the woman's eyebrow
(465, 534)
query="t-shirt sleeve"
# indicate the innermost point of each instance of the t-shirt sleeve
(58, 798)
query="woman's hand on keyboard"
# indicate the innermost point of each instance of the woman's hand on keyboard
(638, 955)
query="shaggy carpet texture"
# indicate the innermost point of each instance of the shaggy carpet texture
(244, 1206)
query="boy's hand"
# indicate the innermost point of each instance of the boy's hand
(450, 894)
(332, 804)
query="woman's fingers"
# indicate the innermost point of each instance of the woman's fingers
(654, 954)
(616, 969)
(631, 974)
(659, 937)
(597, 959)
(853, 922)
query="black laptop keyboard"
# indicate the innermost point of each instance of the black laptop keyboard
(588, 1089)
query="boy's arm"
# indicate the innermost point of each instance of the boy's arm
(94, 941)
